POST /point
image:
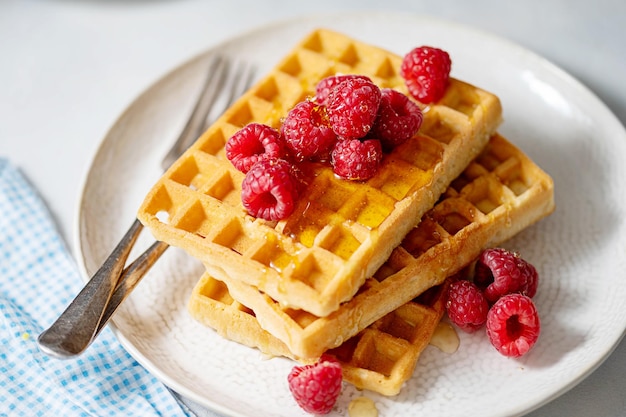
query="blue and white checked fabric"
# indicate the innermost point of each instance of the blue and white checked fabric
(38, 278)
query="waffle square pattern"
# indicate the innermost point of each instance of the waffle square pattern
(341, 232)
(380, 333)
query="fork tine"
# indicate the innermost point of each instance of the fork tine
(216, 72)
(226, 82)
(237, 82)
(245, 80)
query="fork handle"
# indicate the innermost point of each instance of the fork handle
(131, 276)
(75, 327)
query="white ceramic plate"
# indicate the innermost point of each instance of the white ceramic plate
(579, 250)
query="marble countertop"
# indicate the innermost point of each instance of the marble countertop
(69, 69)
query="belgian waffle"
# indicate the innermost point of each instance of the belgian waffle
(381, 358)
(500, 193)
(341, 231)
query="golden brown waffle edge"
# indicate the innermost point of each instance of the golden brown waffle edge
(498, 195)
(342, 231)
(381, 358)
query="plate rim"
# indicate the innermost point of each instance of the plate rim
(170, 381)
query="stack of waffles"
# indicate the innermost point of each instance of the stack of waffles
(359, 269)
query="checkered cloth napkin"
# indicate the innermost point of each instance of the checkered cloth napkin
(38, 278)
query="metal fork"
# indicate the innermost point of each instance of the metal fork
(85, 317)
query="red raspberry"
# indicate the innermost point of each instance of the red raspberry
(306, 133)
(325, 86)
(316, 387)
(426, 71)
(500, 272)
(356, 160)
(352, 107)
(398, 119)
(270, 189)
(513, 325)
(466, 306)
(253, 143)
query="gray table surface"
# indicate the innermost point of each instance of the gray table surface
(69, 68)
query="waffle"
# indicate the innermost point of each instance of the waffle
(381, 358)
(498, 194)
(341, 232)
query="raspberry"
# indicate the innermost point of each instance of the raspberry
(352, 107)
(398, 119)
(316, 387)
(426, 71)
(500, 272)
(513, 325)
(253, 143)
(270, 189)
(356, 160)
(466, 306)
(305, 132)
(325, 86)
